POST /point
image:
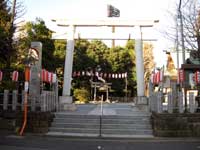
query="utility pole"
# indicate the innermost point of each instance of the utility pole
(113, 40)
(13, 13)
(180, 16)
(176, 41)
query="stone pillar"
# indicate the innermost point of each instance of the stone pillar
(35, 69)
(141, 99)
(66, 98)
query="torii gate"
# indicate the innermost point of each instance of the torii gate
(72, 24)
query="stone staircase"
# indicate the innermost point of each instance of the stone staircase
(75, 125)
(130, 123)
(126, 126)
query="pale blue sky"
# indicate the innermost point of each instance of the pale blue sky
(79, 9)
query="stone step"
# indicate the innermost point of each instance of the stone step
(76, 125)
(75, 130)
(75, 120)
(63, 134)
(104, 126)
(127, 131)
(103, 121)
(127, 126)
(66, 116)
(103, 131)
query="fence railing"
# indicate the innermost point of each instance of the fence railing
(12, 100)
(168, 103)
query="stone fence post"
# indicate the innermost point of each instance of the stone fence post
(42, 102)
(180, 102)
(5, 99)
(191, 102)
(159, 102)
(22, 104)
(14, 99)
(170, 102)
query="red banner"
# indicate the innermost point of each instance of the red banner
(180, 78)
(15, 76)
(197, 77)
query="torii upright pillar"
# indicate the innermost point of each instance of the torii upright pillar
(66, 98)
(141, 99)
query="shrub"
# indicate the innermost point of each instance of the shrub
(82, 95)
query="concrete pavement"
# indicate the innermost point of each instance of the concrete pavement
(30, 142)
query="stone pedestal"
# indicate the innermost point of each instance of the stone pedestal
(65, 103)
(142, 103)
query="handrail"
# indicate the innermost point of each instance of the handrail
(100, 117)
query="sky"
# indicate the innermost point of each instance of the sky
(97, 9)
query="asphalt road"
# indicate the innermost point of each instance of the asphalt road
(12, 142)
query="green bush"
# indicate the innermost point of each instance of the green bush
(81, 95)
(8, 85)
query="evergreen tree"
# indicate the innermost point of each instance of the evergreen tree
(6, 34)
(37, 31)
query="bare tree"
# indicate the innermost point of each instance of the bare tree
(186, 15)
(191, 24)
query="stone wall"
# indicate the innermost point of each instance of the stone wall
(176, 125)
(37, 122)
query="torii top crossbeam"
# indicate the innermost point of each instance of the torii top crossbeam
(105, 22)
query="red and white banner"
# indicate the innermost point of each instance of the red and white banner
(1, 76)
(197, 77)
(100, 74)
(180, 78)
(50, 77)
(44, 75)
(15, 76)
(157, 77)
(54, 78)
(161, 75)
(152, 78)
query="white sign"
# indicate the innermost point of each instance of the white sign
(191, 80)
(26, 86)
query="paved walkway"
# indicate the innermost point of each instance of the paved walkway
(121, 109)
